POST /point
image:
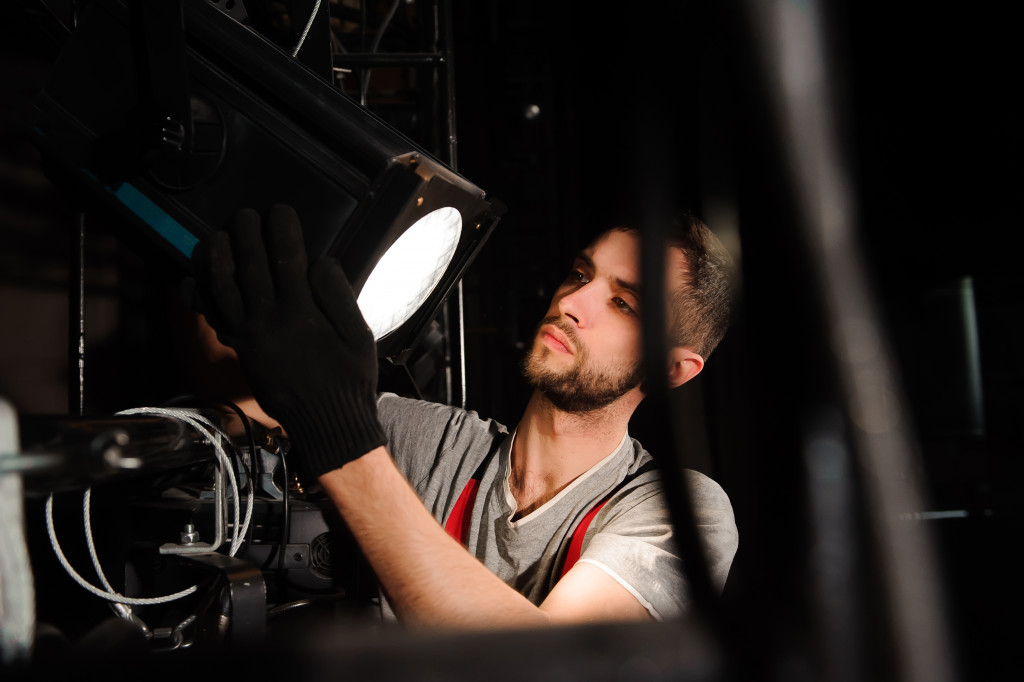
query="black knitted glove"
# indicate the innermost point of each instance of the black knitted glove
(302, 342)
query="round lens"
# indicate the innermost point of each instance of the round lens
(408, 272)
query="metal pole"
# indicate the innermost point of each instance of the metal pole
(76, 298)
(447, 87)
(790, 40)
(76, 320)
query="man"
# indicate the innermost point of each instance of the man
(419, 483)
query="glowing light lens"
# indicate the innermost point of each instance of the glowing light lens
(408, 272)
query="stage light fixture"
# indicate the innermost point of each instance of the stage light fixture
(175, 115)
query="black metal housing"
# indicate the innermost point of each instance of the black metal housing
(262, 129)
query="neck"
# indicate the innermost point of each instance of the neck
(553, 447)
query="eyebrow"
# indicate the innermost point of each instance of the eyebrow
(632, 287)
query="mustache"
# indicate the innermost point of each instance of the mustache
(564, 327)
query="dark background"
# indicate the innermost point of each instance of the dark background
(933, 132)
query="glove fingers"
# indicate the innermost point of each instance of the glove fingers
(252, 272)
(335, 298)
(286, 251)
(218, 295)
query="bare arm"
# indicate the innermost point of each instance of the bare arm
(430, 578)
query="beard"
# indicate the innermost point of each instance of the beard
(582, 387)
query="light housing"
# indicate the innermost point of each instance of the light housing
(175, 126)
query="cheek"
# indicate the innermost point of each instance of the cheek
(624, 346)
(634, 347)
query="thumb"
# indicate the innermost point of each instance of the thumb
(334, 297)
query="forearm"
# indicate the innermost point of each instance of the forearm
(427, 576)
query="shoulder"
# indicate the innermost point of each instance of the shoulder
(422, 416)
(391, 406)
(643, 481)
(639, 514)
(421, 433)
(710, 501)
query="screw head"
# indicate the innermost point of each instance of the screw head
(190, 535)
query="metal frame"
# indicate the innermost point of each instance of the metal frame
(438, 113)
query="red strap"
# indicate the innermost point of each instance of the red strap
(576, 545)
(458, 523)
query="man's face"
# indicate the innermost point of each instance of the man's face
(587, 350)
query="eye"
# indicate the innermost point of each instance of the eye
(622, 305)
(577, 276)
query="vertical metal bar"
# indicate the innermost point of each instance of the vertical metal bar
(447, 326)
(364, 72)
(426, 75)
(76, 295)
(800, 78)
(448, 78)
(972, 356)
(76, 320)
(18, 596)
(447, 93)
(462, 349)
(651, 128)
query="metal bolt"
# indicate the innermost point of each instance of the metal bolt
(189, 535)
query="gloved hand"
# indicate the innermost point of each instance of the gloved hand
(302, 342)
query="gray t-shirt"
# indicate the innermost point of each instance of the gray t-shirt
(439, 448)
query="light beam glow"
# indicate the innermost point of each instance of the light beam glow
(409, 271)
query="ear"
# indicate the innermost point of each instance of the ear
(683, 365)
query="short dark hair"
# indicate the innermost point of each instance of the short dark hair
(701, 309)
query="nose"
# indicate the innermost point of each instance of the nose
(577, 304)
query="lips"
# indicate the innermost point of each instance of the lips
(554, 338)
